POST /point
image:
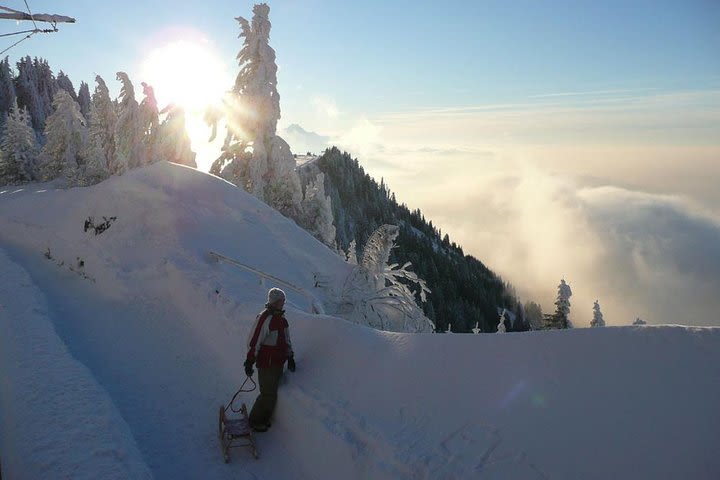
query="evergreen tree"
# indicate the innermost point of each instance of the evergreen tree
(28, 96)
(317, 212)
(638, 321)
(149, 124)
(501, 324)
(559, 319)
(103, 121)
(7, 88)
(534, 315)
(597, 320)
(129, 131)
(18, 149)
(65, 151)
(253, 156)
(173, 141)
(84, 101)
(64, 83)
(476, 329)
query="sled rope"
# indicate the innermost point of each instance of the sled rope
(241, 390)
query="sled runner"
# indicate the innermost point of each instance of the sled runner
(235, 431)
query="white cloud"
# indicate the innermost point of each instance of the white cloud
(325, 106)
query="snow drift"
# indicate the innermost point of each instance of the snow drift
(145, 334)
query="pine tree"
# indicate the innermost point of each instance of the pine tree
(351, 255)
(84, 101)
(129, 147)
(103, 121)
(18, 149)
(317, 212)
(64, 83)
(501, 324)
(534, 315)
(7, 88)
(64, 153)
(597, 320)
(253, 156)
(559, 319)
(149, 125)
(173, 141)
(28, 97)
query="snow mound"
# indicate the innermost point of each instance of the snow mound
(158, 330)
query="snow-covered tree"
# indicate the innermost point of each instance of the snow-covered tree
(129, 131)
(253, 156)
(18, 148)
(84, 100)
(597, 320)
(380, 295)
(560, 319)
(64, 153)
(638, 321)
(173, 141)
(476, 330)
(449, 329)
(103, 121)
(351, 254)
(501, 324)
(28, 97)
(534, 315)
(149, 124)
(7, 88)
(317, 215)
(64, 83)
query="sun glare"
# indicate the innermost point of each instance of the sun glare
(189, 74)
(192, 75)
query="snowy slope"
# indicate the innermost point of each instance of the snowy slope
(154, 349)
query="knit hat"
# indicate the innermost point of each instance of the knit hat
(274, 295)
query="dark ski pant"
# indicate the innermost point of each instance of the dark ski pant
(262, 410)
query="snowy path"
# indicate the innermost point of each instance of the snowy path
(165, 387)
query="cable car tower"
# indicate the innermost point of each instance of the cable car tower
(7, 13)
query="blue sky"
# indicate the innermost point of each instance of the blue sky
(583, 134)
(386, 56)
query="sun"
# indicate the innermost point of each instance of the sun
(189, 74)
(185, 73)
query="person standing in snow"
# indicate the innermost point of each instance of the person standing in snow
(269, 347)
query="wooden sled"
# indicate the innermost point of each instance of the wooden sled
(235, 433)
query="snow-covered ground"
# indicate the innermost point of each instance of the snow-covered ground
(116, 369)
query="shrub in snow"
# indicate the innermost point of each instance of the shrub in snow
(597, 320)
(638, 321)
(380, 295)
(18, 149)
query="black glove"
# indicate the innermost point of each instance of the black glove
(248, 367)
(291, 364)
